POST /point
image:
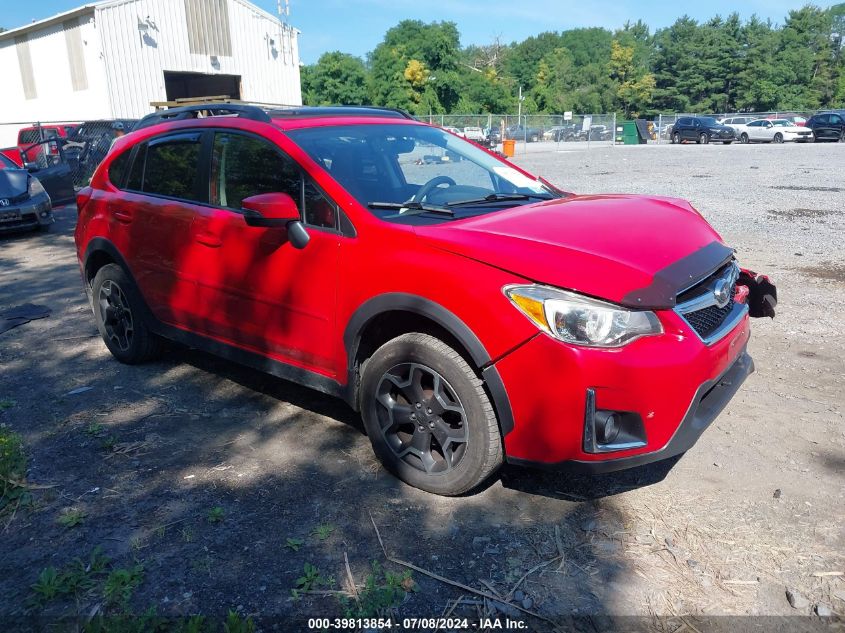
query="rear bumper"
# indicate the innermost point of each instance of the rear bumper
(708, 402)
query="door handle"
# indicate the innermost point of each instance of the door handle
(123, 216)
(208, 239)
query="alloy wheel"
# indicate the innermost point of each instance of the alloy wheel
(778, 138)
(116, 315)
(421, 418)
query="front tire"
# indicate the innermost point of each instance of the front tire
(778, 138)
(744, 139)
(428, 417)
(703, 139)
(117, 308)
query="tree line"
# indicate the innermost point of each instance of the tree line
(721, 65)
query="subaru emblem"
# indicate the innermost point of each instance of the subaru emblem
(722, 292)
(4, 202)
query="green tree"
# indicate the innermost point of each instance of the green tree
(337, 78)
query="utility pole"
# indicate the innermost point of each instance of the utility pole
(519, 117)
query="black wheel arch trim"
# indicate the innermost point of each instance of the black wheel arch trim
(399, 301)
(102, 245)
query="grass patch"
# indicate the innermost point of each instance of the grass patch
(12, 470)
(121, 583)
(77, 578)
(216, 515)
(323, 531)
(293, 544)
(5, 403)
(310, 580)
(383, 590)
(71, 517)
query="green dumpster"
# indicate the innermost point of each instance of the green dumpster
(627, 134)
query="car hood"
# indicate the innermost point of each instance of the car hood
(790, 128)
(639, 251)
(13, 183)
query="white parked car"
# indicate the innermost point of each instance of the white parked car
(738, 123)
(473, 133)
(453, 130)
(774, 131)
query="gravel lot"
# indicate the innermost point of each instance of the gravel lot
(147, 453)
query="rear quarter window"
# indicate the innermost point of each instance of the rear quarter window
(172, 167)
(119, 169)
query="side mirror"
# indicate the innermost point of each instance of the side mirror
(31, 166)
(278, 210)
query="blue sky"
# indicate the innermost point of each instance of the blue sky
(357, 26)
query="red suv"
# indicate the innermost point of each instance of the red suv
(470, 311)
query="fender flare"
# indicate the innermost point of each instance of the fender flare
(479, 356)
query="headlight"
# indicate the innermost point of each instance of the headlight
(581, 320)
(35, 187)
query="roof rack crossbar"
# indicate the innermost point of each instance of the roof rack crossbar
(345, 110)
(253, 113)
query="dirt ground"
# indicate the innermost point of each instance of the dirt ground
(223, 483)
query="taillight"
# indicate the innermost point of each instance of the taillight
(83, 197)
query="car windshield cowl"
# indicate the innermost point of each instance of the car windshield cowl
(494, 198)
(411, 207)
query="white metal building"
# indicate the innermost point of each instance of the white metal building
(110, 59)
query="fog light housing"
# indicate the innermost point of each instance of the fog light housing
(607, 427)
(607, 431)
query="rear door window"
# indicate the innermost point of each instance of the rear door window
(172, 167)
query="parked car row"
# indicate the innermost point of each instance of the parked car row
(824, 126)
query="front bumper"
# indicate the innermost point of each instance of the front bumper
(674, 382)
(26, 215)
(707, 404)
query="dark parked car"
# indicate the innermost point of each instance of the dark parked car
(523, 133)
(828, 126)
(702, 129)
(23, 202)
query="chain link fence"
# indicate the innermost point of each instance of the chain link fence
(492, 129)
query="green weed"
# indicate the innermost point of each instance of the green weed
(234, 623)
(5, 403)
(382, 590)
(294, 544)
(323, 531)
(121, 583)
(216, 515)
(12, 469)
(72, 517)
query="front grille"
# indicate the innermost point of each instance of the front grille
(707, 320)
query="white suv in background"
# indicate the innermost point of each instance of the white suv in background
(473, 133)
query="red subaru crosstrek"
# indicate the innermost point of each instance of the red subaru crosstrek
(470, 311)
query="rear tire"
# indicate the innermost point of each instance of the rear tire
(676, 138)
(428, 417)
(842, 137)
(118, 311)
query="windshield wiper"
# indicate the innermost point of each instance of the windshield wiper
(414, 207)
(500, 197)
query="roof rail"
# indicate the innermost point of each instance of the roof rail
(345, 110)
(241, 111)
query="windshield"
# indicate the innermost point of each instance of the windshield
(438, 175)
(708, 120)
